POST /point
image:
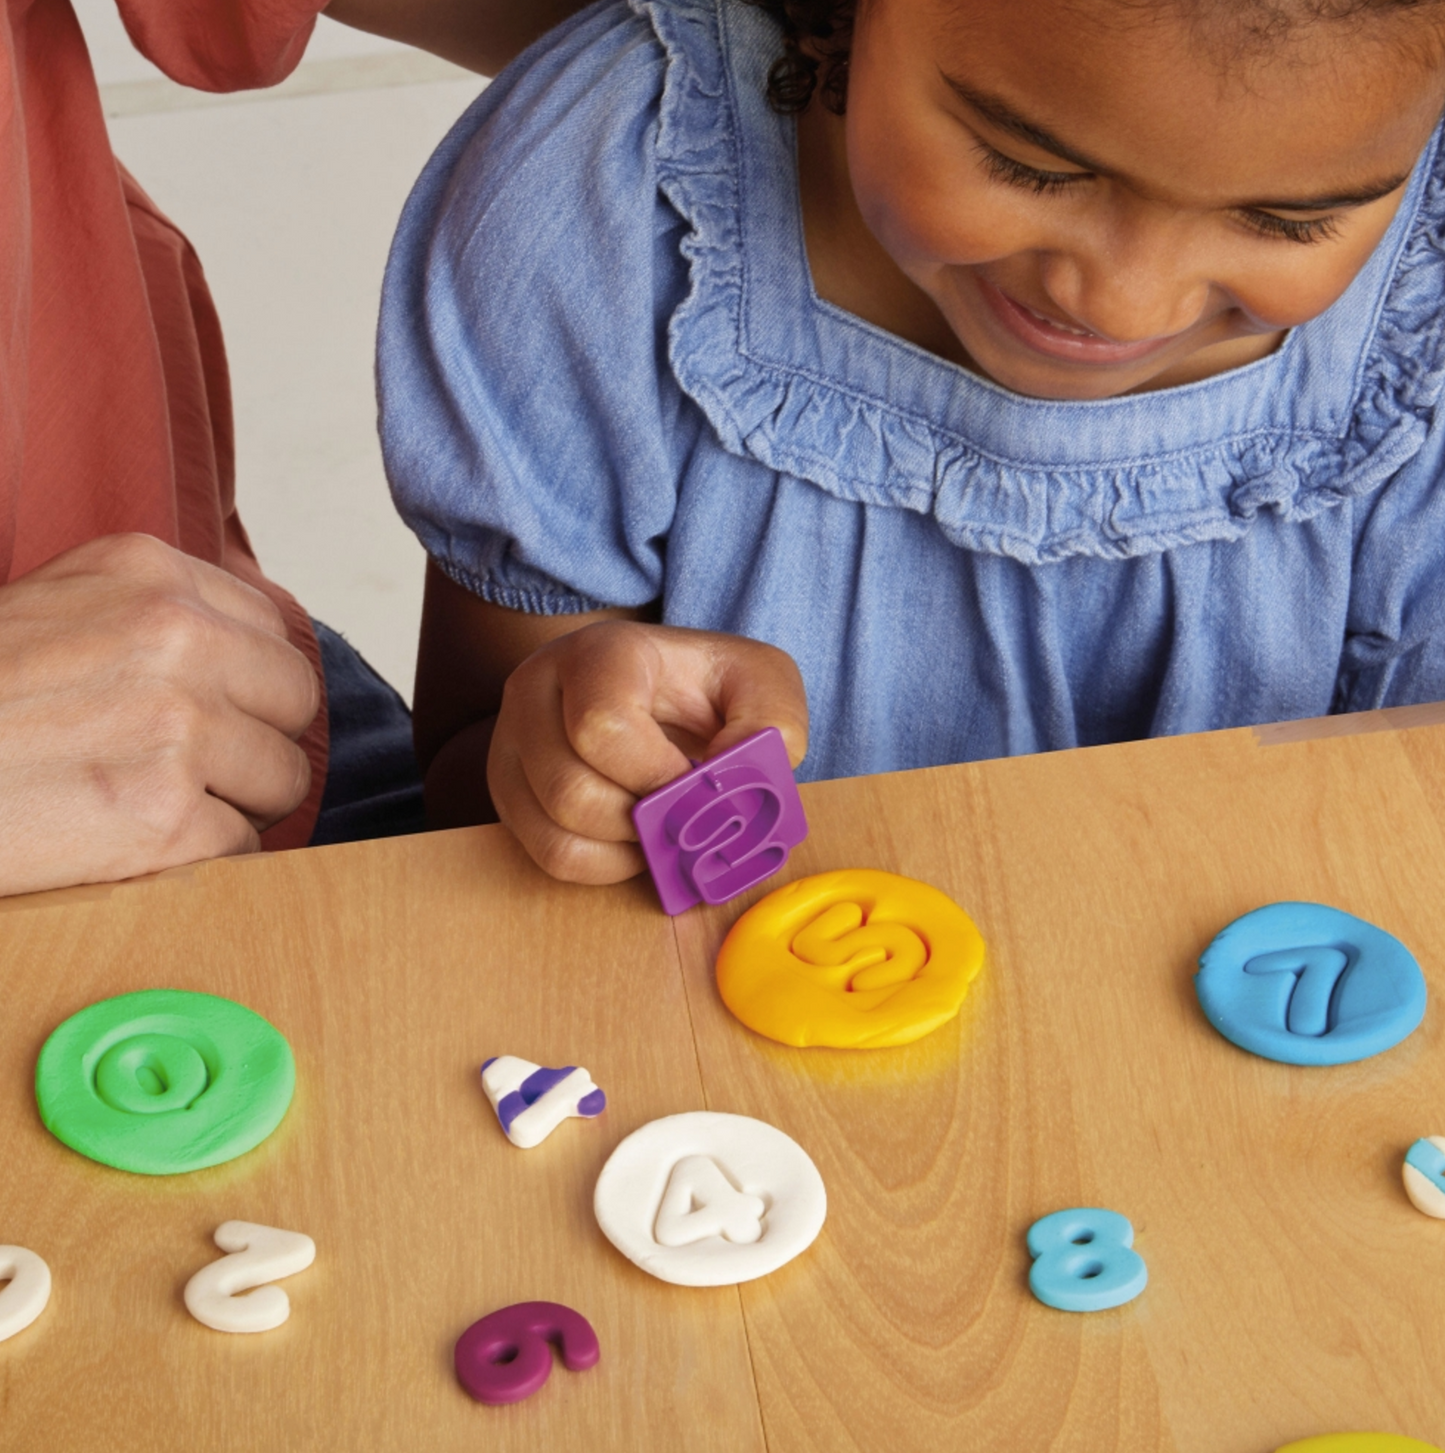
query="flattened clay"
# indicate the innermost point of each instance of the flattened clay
(705, 1199)
(1306, 984)
(164, 1081)
(1360, 1443)
(856, 959)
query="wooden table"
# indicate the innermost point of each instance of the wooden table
(1293, 1289)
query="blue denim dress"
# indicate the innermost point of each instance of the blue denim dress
(605, 379)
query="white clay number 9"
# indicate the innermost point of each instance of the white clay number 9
(24, 1299)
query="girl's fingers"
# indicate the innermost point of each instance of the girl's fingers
(584, 732)
(573, 794)
(613, 680)
(756, 686)
(566, 855)
(622, 683)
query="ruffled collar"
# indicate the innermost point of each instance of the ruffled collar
(811, 391)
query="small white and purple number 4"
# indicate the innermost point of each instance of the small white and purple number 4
(531, 1101)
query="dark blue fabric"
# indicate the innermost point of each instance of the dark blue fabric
(373, 785)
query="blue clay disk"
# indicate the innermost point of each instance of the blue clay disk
(1309, 985)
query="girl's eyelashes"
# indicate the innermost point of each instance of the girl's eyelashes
(1318, 229)
(1006, 169)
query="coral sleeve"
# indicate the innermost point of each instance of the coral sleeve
(222, 45)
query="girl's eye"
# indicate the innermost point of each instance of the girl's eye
(1319, 229)
(1005, 169)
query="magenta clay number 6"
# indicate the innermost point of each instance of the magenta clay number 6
(507, 1355)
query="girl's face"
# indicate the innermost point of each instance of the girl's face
(1097, 204)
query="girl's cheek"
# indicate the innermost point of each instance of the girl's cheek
(1289, 284)
(929, 209)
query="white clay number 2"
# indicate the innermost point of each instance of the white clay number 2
(700, 1201)
(23, 1300)
(258, 1255)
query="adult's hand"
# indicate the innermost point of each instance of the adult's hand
(149, 706)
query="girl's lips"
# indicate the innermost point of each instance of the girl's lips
(1044, 336)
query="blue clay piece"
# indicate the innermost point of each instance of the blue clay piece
(1429, 1160)
(1084, 1261)
(1309, 985)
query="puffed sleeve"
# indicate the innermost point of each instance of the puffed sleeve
(222, 45)
(532, 431)
(1394, 648)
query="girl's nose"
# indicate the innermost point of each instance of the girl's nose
(1138, 286)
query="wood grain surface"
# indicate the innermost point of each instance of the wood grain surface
(1293, 1289)
(394, 969)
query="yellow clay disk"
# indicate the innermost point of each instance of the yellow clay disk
(856, 959)
(1359, 1443)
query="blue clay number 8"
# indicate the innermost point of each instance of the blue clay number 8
(1083, 1261)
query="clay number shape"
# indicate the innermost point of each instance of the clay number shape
(507, 1355)
(1316, 973)
(258, 1255)
(1425, 1175)
(1083, 1261)
(855, 959)
(24, 1299)
(531, 1101)
(1307, 984)
(876, 956)
(700, 1201)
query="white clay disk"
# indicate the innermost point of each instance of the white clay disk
(25, 1298)
(259, 1254)
(707, 1200)
(1425, 1190)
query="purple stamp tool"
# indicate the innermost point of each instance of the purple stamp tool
(724, 826)
(507, 1355)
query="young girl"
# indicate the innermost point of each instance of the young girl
(1031, 374)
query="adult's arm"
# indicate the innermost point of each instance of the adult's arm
(482, 35)
(232, 45)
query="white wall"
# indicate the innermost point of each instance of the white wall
(291, 197)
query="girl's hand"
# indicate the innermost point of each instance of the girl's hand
(604, 715)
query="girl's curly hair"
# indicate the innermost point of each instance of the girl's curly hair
(827, 28)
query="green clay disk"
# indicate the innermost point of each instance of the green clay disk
(164, 1081)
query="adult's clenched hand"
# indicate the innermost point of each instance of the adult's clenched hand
(149, 705)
